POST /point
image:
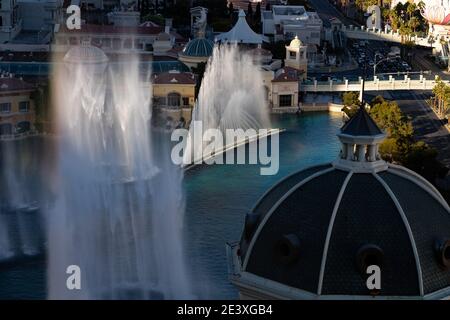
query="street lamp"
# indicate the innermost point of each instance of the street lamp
(377, 63)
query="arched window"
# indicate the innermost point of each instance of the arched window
(173, 99)
(5, 129)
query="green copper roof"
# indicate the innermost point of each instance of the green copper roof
(199, 47)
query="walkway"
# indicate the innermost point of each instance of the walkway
(393, 83)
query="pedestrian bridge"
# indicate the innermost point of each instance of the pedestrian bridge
(373, 85)
(363, 33)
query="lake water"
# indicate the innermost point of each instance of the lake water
(217, 199)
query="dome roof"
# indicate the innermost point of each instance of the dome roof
(199, 47)
(85, 54)
(296, 43)
(315, 233)
(394, 210)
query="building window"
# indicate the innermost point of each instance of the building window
(24, 106)
(1, 20)
(149, 47)
(106, 42)
(292, 54)
(289, 35)
(23, 126)
(127, 43)
(138, 44)
(173, 99)
(5, 107)
(285, 100)
(117, 44)
(185, 101)
(5, 129)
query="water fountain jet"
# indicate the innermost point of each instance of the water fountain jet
(111, 218)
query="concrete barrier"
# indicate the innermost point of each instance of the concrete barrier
(317, 107)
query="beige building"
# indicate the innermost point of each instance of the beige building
(296, 57)
(17, 111)
(174, 95)
(142, 40)
(285, 89)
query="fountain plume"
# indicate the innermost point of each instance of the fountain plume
(119, 208)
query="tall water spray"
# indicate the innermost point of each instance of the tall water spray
(119, 208)
(21, 232)
(232, 95)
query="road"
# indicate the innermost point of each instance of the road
(421, 62)
(427, 126)
(327, 11)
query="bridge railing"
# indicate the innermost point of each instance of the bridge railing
(364, 33)
(373, 85)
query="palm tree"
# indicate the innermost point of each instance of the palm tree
(411, 9)
(421, 6)
(441, 96)
(414, 23)
(405, 32)
(395, 19)
(445, 107)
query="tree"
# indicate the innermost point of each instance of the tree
(278, 49)
(249, 10)
(389, 118)
(405, 32)
(258, 13)
(400, 145)
(414, 23)
(351, 103)
(421, 6)
(364, 4)
(411, 9)
(144, 9)
(231, 9)
(441, 99)
(395, 19)
(422, 159)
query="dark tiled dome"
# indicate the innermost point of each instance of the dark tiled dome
(314, 234)
(199, 47)
(331, 214)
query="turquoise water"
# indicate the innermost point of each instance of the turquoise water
(217, 199)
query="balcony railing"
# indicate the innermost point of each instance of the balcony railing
(174, 108)
(18, 136)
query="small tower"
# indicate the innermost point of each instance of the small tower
(360, 138)
(296, 56)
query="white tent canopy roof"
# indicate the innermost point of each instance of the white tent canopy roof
(241, 33)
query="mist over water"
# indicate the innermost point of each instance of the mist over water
(119, 204)
(21, 226)
(232, 95)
